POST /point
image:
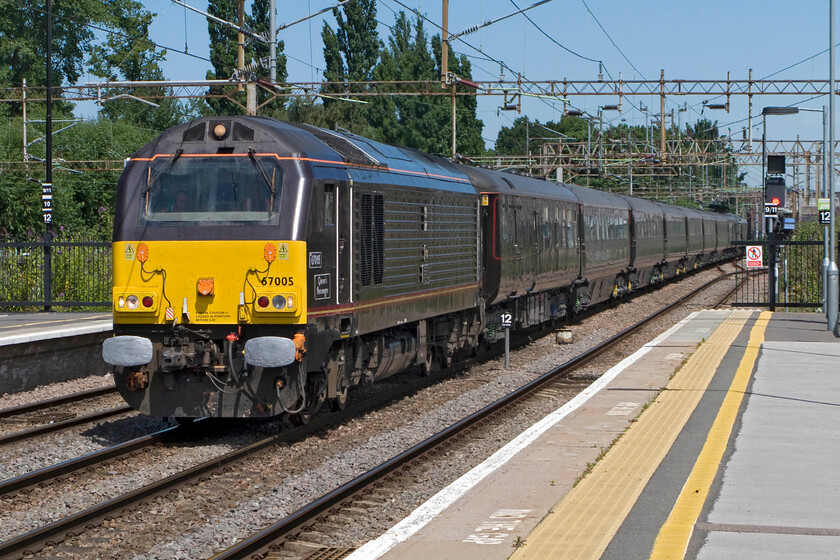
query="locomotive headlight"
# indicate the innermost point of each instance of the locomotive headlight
(277, 303)
(134, 300)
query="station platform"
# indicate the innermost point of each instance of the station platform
(733, 456)
(17, 328)
(41, 348)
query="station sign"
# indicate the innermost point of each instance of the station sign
(507, 320)
(824, 209)
(47, 202)
(755, 256)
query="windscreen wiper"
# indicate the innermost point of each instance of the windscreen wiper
(151, 180)
(252, 154)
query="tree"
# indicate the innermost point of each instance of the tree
(134, 60)
(526, 135)
(23, 39)
(351, 53)
(224, 55)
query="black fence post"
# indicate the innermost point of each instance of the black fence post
(47, 273)
(771, 271)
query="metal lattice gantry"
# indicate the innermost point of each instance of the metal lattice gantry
(151, 90)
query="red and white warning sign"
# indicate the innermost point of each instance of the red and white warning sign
(754, 256)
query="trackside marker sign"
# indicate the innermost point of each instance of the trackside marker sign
(754, 256)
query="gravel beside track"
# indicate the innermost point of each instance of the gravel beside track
(43, 392)
(213, 514)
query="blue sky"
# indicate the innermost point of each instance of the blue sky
(689, 39)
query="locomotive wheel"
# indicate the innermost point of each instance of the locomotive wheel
(443, 359)
(339, 402)
(300, 419)
(426, 366)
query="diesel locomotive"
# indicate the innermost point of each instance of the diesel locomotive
(264, 268)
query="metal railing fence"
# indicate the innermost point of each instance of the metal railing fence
(791, 277)
(47, 274)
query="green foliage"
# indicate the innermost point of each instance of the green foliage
(224, 56)
(23, 43)
(352, 51)
(78, 273)
(83, 202)
(422, 122)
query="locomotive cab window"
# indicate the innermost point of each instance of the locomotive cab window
(211, 189)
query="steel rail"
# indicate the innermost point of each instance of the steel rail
(258, 544)
(63, 424)
(51, 533)
(56, 401)
(73, 525)
(43, 475)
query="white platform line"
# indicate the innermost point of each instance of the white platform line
(421, 516)
(58, 332)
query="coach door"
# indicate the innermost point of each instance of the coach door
(343, 242)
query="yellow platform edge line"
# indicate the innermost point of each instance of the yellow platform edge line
(584, 522)
(673, 538)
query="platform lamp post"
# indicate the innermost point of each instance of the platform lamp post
(764, 112)
(832, 276)
(47, 199)
(826, 170)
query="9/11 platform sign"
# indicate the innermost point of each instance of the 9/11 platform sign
(47, 202)
(755, 259)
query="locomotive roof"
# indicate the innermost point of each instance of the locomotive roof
(301, 140)
(196, 137)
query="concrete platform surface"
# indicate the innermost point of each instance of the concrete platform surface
(778, 494)
(498, 503)
(42, 348)
(16, 328)
(773, 491)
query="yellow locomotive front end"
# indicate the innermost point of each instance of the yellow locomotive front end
(209, 282)
(210, 292)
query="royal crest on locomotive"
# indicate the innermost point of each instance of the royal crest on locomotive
(210, 274)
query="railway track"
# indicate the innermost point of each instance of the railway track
(297, 529)
(54, 416)
(293, 526)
